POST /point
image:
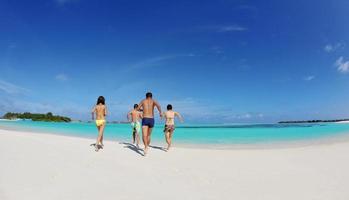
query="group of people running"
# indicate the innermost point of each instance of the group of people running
(141, 117)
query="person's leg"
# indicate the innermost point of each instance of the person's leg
(150, 130)
(167, 138)
(137, 139)
(133, 135)
(149, 135)
(145, 138)
(98, 128)
(170, 133)
(100, 134)
(97, 140)
(138, 131)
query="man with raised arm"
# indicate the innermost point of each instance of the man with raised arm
(147, 105)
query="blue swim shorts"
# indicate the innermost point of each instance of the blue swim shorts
(148, 122)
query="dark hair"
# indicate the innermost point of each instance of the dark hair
(149, 95)
(101, 100)
(169, 107)
(135, 106)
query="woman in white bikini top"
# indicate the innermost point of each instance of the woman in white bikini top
(170, 124)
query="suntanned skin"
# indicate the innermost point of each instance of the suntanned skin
(134, 116)
(100, 111)
(170, 115)
(169, 120)
(148, 105)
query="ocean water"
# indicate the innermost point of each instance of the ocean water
(195, 134)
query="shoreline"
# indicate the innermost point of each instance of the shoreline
(324, 140)
(343, 122)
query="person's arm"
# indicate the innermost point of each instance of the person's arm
(157, 105)
(179, 117)
(140, 115)
(105, 111)
(93, 112)
(140, 105)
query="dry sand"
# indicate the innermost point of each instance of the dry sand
(49, 167)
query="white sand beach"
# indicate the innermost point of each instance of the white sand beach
(343, 122)
(42, 166)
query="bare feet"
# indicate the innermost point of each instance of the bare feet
(145, 151)
(98, 147)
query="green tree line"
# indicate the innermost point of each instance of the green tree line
(49, 117)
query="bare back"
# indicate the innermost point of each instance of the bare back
(100, 111)
(135, 115)
(169, 116)
(148, 106)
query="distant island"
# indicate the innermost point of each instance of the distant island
(313, 121)
(48, 117)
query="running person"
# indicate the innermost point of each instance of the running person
(100, 110)
(134, 116)
(169, 116)
(148, 105)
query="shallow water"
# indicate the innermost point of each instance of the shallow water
(195, 134)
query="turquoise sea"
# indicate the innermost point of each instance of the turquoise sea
(195, 134)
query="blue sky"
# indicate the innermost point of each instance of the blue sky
(215, 61)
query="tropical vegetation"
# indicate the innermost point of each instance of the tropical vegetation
(48, 117)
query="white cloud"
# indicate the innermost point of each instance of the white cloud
(230, 116)
(231, 28)
(151, 61)
(12, 46)
(64, 2)
(62, 77)
(328, 48)
(11, 88)
(309, 78)
(155, 61)
(342, 66)
(244, 116)
(224, 28)
(217, 50)
(333, 47)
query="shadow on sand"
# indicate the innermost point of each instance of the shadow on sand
(133, 148)
(159, 148)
